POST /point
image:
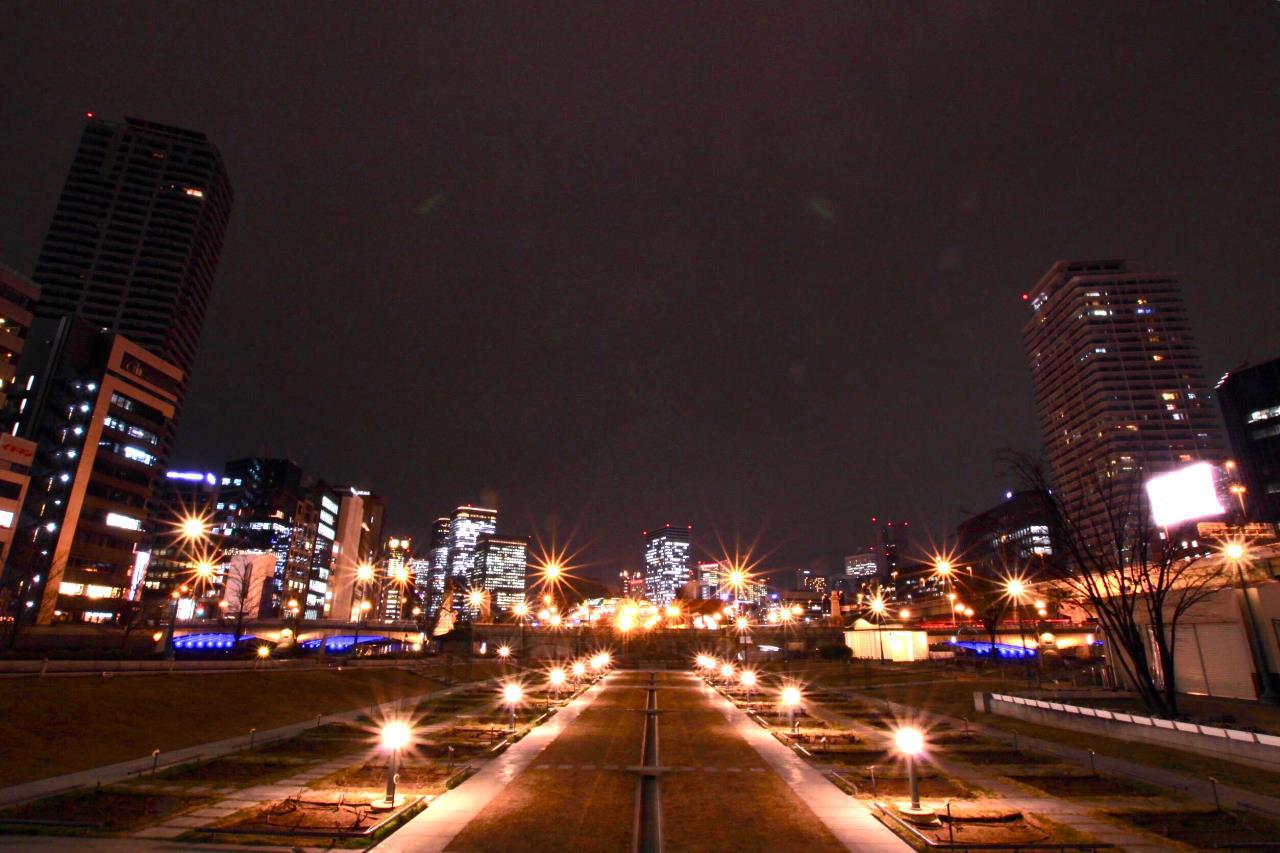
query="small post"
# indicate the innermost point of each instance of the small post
(318, 721)
(966, 724)
(951, 825)
(252, 733)
(872, 769)
(1093, 763)
(155, 760)
(1015, 743)
(1217, 804)
(450, 764)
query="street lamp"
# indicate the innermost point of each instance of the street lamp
(910, 742)
(395, 737)
(790, 699)
(726, 671)
(512, 694)
(878, 608)
(1016, 590)
(556, 679)
(579, 670)
(748, 680)
(943, 568)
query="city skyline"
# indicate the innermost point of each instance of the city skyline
(817, 323)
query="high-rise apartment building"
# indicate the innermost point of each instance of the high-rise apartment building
(501, 564)
(466, 527)
(136, 236)
(862, 566)
(96, 405)
(1250, 400)
(667, 566)
(1119, 387)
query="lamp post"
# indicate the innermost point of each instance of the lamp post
(790, 699)
(748, 680)
(910, 742)
(521, 612)
(1017, 591)
(512, 694)
(943, 568)
(556, 679)
(395, 737)
(878, 608)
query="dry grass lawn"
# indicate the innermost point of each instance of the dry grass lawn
(60, 725)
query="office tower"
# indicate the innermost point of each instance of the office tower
(862, 566)
(1007, 537)
(96, 405)
(666, 562)
(631, 584)
(1250, 401)
(17, 300)
(360, 522)
(439, 559)
(398, 593)
(136, 236)
(466, 526)
(1119, 388)
(710, 580)
(501, 564)
(262, 504)
(168, 558)
(326, 502)
(892, 543)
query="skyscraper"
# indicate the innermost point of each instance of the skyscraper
(466, 526)
(398, 591)
(667, 565)
(439, 557)
(17, 300)
(1119, 388)
(1250, 399)
(136, 236)
(501, 563)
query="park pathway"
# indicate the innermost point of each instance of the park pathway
(725, 783)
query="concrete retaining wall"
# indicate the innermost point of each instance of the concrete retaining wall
(1255, 750)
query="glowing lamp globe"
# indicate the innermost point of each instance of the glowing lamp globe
(748, 679)
(790, 696)
(909, 741)
(396, 735)
(556, 677)
(512, 694)
(726, 670)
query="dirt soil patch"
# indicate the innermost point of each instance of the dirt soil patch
(415, 778)
(232, 771)
(1076, 785)
(110, 809)
(993, 756)
(341, 814)
(1203, 829)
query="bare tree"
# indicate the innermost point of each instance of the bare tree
(239, 595)
(1136, 582)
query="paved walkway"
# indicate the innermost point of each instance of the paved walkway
(434, 828)
(848, 819)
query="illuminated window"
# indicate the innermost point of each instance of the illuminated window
(115, 519)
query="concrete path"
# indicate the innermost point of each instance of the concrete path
(848, 819)
(434, 828)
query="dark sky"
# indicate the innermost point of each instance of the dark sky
(752, 267)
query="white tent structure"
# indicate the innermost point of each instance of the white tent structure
(870, 641)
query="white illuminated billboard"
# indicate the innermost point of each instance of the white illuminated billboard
(1184, 495)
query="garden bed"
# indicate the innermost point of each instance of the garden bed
(1204, 829)
(1080, 785)
(231, 771)
(103, 809)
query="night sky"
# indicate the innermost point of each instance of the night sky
(755, 268)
